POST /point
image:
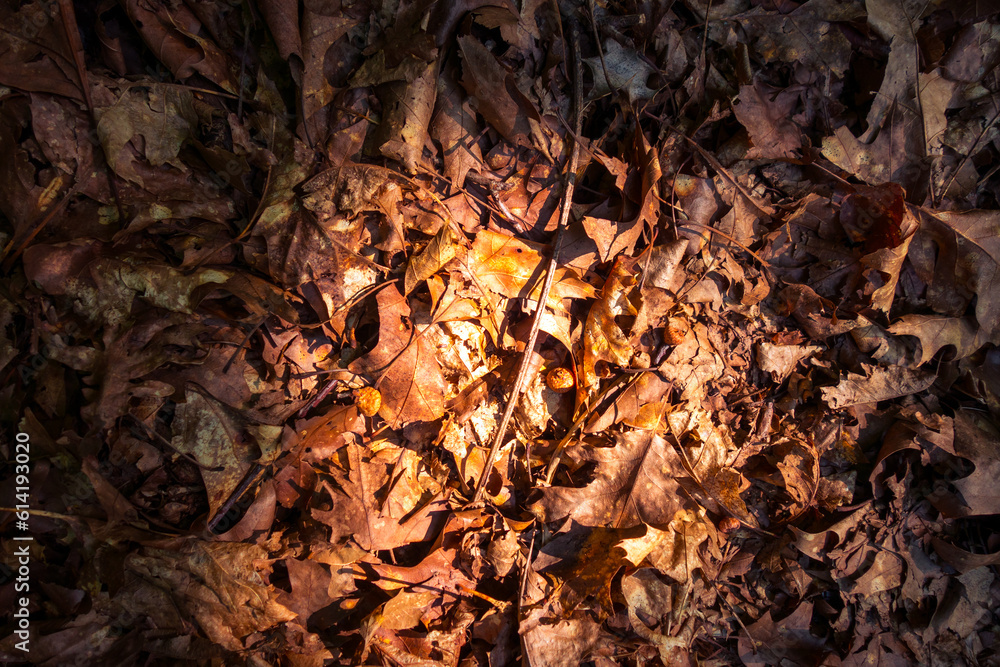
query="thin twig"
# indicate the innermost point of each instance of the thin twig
(600, 48)
(550, 272)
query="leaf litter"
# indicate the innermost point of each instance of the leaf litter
(271, 272)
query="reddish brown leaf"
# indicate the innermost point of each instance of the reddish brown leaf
(634, 482)
(767, 115)
(411, 382)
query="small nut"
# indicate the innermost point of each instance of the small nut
(728, 524)
(560, 380)
(675, 331)
(368, 400)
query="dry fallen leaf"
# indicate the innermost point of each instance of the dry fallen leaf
(635, 481)
(603, 339)
(410, 379)
(513, 268)
(431, 259)
(878, 384)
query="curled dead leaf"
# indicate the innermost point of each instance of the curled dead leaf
(431, 259)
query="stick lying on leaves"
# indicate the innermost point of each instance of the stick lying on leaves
(550, 270)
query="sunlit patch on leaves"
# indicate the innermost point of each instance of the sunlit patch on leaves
(513, 268)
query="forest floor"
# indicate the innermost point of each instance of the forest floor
(276, 274)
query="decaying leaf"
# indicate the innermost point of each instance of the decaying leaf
(766, 114)
(585, 560)
(976, 439)
(486, 82)
(966, 263)
(219, 441)
(455, 127)
(373, 508)
(781, 360)
(163, 116)
(768, 641)
(217, 585)
(635, 481)
(620, 68)
(878, 384)
(936, 332)
(649, 600)
(408, 106)
(805, 35)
